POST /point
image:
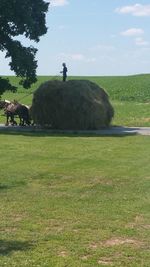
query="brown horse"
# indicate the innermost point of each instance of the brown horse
(13, 109)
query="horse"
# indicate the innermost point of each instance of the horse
(13, 109)
(4, 104)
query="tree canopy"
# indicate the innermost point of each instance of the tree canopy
(27, 18)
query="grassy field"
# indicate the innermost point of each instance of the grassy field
(130, 96)
(74, 201)
(78, 200)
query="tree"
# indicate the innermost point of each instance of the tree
(27, 18)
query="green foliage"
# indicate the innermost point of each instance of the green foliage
(5, 85)
(76, 104)
(19, 17)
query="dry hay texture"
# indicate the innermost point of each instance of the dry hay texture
(71, 105)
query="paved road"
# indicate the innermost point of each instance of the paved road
(115, 130)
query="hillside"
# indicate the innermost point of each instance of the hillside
(126, 88)
(129, 95)
(122, 88)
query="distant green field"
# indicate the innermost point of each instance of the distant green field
(130, 96)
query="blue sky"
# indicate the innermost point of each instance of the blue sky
(94, 37)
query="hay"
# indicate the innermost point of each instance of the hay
(72, 105)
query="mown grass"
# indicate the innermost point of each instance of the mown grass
(70, 200)
(130, 96)
(74, 200)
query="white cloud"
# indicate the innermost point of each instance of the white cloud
(102, 47)
(135, 10)
(77, 57)
(59, 2)
(141, 42)
(74, 57)
(83, 58)
(91, 60)
(136, 32)
(132, 32)
(62, 27)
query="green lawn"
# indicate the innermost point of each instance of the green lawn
(78, 201)
(130, 96)
(131, 114)
(74, 201)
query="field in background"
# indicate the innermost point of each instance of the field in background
(130, 96)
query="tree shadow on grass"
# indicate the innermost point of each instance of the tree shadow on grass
(9, 246)
(12, 185)
(119, 131)
(4, 187)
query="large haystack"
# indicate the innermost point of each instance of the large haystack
(73, 105)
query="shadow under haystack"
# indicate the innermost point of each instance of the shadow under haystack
(73, 105)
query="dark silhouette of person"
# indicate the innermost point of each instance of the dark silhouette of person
(64, 72)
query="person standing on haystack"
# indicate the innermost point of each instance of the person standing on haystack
(64, 72)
